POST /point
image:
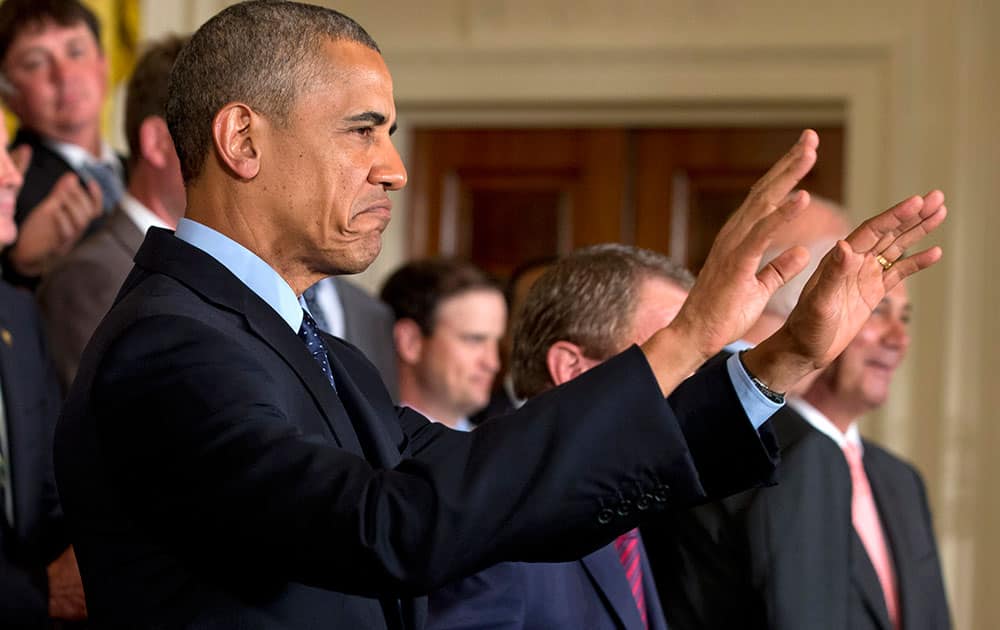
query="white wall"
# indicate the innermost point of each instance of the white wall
(916, 84)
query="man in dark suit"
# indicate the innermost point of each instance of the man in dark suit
(224, 464)
(607, 297)
(450, 316)
(345, 310)
(76, 294)
(836, 544)
(38, 574)
(55, 80)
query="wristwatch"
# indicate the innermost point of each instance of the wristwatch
(777, 398)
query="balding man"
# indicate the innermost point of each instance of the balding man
(836, 544)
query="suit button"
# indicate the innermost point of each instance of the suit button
(624, 508)
(643, 502)
(604, 516)
(662, 493)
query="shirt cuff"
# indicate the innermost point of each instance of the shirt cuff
(756, 405)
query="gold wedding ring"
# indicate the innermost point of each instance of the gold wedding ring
(882, 261)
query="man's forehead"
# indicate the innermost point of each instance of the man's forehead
(358, 75)
(49, 28)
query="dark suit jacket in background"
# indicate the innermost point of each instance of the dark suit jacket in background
(787, 557)
(81, 288)
(43, 172)
(589, 594)
(31, 404)
(214, 479)
(368, 325)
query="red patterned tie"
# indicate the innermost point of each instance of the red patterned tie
(864, 515)
(628, 552)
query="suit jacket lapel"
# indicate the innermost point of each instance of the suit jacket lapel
(894, 526)
(378, 448)
(605, 570)
(124, 231)
(162, 253)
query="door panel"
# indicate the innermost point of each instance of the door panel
(501, 196)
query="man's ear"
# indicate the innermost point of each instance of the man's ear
(154, 141)
(566, 361)
(409, 340)
(234, 133)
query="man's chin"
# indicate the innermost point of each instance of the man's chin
(357, 258)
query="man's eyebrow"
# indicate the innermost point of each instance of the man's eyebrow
(374, 118)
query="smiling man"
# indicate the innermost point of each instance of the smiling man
(223, 464)
(450, 317)
(845, 540)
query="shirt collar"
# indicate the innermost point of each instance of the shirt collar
(259, 277)
(141, 216)
(78, 157)
(821, 423)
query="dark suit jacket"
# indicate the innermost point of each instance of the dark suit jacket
(31, 404)
(787, 557)
(589, 594)
(368, 325)
(81, 288)
(213, 478)
(43, 172)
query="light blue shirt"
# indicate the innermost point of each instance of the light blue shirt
(259, 276)
(269, 286)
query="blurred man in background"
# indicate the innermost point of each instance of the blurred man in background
(450, 317)
(55, 79)
(77, 293)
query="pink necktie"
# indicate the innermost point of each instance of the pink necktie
(628, 552)
(864, 514)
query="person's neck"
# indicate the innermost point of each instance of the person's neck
(146, 186)
(87, 138)
(830, 405)
(250, 226)
(411, 395)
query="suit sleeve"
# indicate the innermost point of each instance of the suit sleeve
(200, 440)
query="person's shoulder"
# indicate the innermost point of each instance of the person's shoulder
(353, 296)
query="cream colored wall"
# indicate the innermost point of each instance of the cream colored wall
(915, 82)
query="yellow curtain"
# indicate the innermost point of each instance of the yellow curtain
(120, 29)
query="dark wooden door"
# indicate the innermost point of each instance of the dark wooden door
(499, 197)
(690, 180)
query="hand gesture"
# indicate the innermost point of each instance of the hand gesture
(56, 223)
(846, 287)
(731, 293)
